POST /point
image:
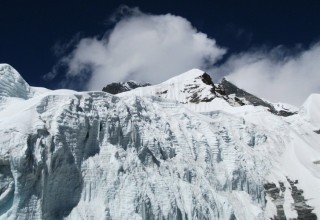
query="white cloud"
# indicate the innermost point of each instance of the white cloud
(142, 47)
(153, 48)
(277, 78)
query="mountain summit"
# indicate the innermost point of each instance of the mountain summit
(182, 149)
(12, 84)
(197, 87)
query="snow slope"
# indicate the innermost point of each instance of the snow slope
(157, 152)
(180, 88)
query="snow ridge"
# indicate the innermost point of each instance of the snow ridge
(12, 84)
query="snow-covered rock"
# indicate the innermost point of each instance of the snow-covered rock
(196, 90)
(151, 153)
(115, 88)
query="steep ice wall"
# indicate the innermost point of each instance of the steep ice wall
(71, 155)
(91, 155)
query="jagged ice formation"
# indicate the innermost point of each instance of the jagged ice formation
(183, 149)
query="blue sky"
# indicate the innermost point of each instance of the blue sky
(42, 37)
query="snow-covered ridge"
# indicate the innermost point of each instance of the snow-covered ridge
(145, 154)
(185, 88)
(196, 90)
(12, 84)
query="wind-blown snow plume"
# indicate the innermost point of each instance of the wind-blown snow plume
(277, 76)
(142, 47)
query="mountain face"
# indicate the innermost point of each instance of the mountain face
(183, 149)
(201, 89)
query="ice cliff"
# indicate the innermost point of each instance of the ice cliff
(183, 149)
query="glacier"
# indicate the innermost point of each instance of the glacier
(182, 149)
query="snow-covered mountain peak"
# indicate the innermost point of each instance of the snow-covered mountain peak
(196, 90)
(92, 155)
(5, 66)
(8, 72)
(12, 84)
(193, 86)
(186, 77)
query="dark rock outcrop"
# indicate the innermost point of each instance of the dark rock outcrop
(277, 195)
(226, 88)
(115, 88)
(304, 211)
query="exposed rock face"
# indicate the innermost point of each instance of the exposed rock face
(277, 195)
(226, 89)
(304, 211)
(299, 204)
(115, 88)
(201, 89)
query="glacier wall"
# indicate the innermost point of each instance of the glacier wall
(92, 155)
